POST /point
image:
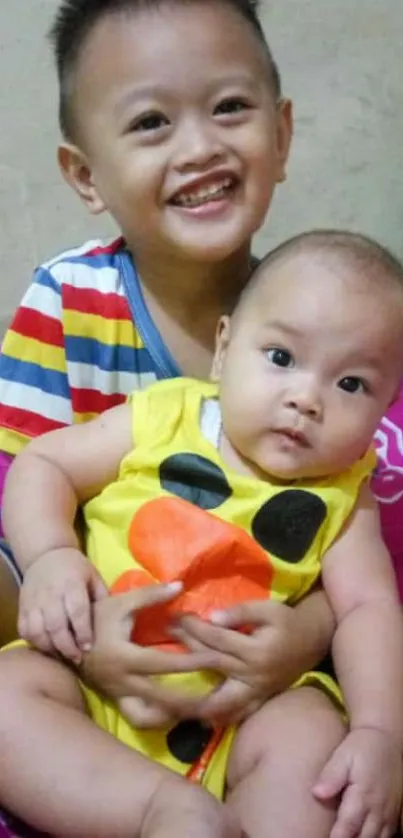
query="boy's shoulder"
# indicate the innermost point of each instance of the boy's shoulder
(90, 265)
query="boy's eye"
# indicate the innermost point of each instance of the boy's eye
(149, 122)
(232, 105)
(352, 384)
(280, 357)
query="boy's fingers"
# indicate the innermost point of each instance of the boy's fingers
(216, 637)
(142, 713)
(227, 700)
(255, 612)
(221, 662)
(126, 604)
(172, 701)
(141, 660)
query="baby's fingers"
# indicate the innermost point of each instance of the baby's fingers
(79, 614)
(351, 815)
(58, 628)
(31, 627)
(372, 828)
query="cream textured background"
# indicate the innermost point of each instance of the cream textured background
(341, 62)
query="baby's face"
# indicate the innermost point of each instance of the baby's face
(180, 128)
(308, 367)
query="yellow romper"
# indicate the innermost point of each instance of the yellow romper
(292, 527)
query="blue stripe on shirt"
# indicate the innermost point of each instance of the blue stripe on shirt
(25, 372)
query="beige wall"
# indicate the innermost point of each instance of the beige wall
(342, 62)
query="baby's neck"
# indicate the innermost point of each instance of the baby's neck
(186, 300)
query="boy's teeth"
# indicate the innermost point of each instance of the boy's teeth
(204, 194)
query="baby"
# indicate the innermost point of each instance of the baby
(236, 494)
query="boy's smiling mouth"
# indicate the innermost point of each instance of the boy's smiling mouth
(203, 191)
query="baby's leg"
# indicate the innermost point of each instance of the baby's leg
(276, 757)
(65, 776)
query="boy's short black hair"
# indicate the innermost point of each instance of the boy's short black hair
(75, 19)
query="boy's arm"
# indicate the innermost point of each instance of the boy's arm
(34, 387)
(53, 475)
(368, 643)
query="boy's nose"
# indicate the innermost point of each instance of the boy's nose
(199, 147)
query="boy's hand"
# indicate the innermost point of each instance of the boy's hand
(257, 665)
(121, 669)
(56, 601)
(366, 770)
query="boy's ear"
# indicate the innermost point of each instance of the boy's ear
(76, 171)
(221, 343)
(284, 137)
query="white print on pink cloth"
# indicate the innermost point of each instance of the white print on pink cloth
(387, 481)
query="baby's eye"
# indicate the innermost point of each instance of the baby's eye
(149, 122)
(280, 357)
(352, 384)
(234, 104)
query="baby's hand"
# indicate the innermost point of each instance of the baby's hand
(55, 603)
(366, 770)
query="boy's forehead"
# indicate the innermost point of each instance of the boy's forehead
(156, 42)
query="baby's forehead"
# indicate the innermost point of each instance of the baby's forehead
(312, 293)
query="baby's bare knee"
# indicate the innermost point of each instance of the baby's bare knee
(299, 724)
(180, 807)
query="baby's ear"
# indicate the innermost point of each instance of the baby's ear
(77, 172)
(222, 338)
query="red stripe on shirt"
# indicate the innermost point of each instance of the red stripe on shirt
(33, 324)
(92, 401)
(25, 422)
(110, 306)
(113, 247)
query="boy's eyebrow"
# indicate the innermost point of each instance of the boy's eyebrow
(152, 89)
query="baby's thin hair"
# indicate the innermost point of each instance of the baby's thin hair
(366, 258)
(76, 19)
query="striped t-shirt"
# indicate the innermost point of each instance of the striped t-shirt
(80, 342)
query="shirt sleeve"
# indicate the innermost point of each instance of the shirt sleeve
(34, 386)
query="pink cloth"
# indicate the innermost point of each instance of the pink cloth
(387, 483)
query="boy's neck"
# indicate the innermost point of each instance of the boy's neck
(186, 301)
(179, 285)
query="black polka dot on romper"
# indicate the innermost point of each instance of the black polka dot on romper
(286, 525)
(187, 740)
(195, 479)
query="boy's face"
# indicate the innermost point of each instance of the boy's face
(180, 135)
(307, 369)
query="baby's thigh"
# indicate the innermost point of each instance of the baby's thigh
(26, 674)
(293, 734)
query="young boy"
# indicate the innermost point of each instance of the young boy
(281, 448)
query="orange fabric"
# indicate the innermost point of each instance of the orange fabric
(219, 564)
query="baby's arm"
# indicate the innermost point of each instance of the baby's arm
(45, 484)
(368, 655)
